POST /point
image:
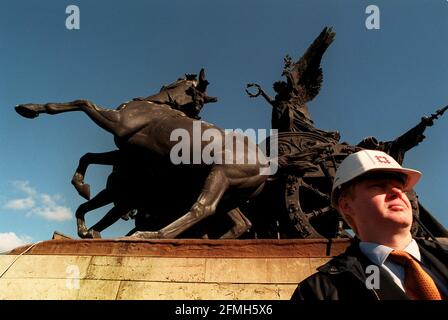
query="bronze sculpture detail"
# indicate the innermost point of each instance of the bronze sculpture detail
(144, 127)
(294, 203)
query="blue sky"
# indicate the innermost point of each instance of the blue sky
(376, 83)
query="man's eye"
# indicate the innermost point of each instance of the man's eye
(377, 186)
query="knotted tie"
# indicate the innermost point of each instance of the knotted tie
(417, 283)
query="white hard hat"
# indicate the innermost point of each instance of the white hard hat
(364, 161)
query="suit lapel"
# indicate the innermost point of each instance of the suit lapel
(389, 290)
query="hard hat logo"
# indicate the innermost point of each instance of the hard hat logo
(382, 159)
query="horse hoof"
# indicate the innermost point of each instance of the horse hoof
(83, 234)
(125, 217)
(89, 234)
(27, 111)
(93, 234)
(84, 191)
(82, 188)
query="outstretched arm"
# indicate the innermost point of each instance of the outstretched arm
(259, 92)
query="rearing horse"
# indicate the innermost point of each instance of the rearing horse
(147, 125)
(127, 188)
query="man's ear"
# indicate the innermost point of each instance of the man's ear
(345, 208)
(347, 212)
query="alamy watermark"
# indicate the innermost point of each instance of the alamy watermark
(373, 278)
(73, 277)
(229, 146)
(73, 21)
(373, 20)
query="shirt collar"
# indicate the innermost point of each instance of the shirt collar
(378, 253)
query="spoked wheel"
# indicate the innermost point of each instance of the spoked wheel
(309, 208)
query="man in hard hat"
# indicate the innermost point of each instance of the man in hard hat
(383, 262)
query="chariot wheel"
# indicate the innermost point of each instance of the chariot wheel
(309, 209)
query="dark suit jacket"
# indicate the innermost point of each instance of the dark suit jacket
(344, 277)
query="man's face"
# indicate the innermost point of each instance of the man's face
(377, 205)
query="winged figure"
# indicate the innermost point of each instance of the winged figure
(303, 82)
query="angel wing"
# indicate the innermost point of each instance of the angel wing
(305, 76)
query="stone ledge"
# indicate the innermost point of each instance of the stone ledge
(190, 248)
(164, 269)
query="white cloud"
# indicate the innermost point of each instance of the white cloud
(9, 241)
(41, 204)
(48, 200)
(57, 213)
(20, 204)
(25, 187)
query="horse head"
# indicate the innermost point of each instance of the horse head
(187, 94)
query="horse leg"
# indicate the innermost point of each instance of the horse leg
(242, 224)
(105, 158)
(215, 186)
(109, 219)
(120, 123)
(107, 119)
(101, 199)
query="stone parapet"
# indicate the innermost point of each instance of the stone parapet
(162, 269)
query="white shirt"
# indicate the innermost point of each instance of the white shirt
(378, 254)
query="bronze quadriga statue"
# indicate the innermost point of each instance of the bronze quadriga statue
(211, 200)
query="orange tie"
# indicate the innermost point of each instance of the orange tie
(417, 283)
